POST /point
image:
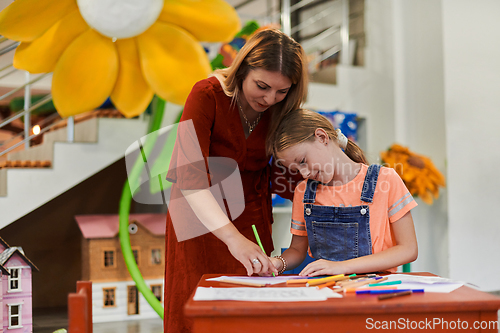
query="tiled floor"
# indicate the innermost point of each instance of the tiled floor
(47, 321)
(139, 326)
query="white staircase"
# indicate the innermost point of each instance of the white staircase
(99, 142)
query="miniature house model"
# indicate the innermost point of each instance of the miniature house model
(114, 294)
(16, 293)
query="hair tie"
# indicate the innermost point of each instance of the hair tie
(341, 139)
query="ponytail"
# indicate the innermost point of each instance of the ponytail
(355, 153)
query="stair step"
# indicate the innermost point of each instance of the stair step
(25, 164)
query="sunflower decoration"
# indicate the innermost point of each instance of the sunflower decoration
(418, 172)
(127, 50)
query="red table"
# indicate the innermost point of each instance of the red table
(463, 309)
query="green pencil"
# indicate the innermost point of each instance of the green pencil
(258, 241)
(390, 283)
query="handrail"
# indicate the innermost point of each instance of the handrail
(243, 4)
(313, 19)
(319, 37)
(24, 85)
(10, 72)
(21, 113)
(43, 130)
(328, 53)
(5, 67)
(9, 48)
(300, 4)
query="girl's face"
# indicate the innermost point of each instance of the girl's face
(312, 159)
(262, 89)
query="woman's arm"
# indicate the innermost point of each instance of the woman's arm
(208, 211)
(405, 251)
(189, 170)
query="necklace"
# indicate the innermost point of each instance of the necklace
(251, 126)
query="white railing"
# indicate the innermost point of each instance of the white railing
(323, 42)
(46, 124)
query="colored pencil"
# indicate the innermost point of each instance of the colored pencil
(259, 242)
(353, 290)
(316, 282)
(387, 296)
(379, 279)
(387, 291)
(244, 283)
(356, 283)
(390, 283)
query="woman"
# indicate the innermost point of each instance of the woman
(232, 113)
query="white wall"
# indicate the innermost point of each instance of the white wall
(471, 30)
(420, 117)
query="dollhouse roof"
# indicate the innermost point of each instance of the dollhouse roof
(9, 252)
(106, 226)
(4, 243)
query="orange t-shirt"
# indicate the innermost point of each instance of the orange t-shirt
(391, 201)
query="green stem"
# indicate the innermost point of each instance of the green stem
(124, 210)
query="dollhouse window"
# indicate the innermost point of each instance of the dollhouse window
(15, 315)
(156, 256)
(109, 258)
(14, 279)
(109, 297)
(156, 289)
(136, 250)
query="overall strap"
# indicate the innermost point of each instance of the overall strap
(310, 194)
(370, 183)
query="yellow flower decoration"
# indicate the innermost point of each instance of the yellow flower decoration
(418, 172)
(124, 49)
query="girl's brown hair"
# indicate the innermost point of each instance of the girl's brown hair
(299, 126)
(274, 51)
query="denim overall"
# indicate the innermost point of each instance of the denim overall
(340, 233)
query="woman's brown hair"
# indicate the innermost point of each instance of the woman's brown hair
(274, 51)
(299, 126)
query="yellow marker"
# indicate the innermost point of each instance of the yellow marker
(316, 282)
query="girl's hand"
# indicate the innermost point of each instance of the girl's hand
(324, 267)
(278, 265)
(245, 251)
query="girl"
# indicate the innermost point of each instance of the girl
(353, 217)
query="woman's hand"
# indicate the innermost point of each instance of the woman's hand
(324, 267)
(278, 265)
(246, 251)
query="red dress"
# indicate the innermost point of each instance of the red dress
(220, 134)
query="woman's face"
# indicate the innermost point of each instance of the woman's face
(262, 89)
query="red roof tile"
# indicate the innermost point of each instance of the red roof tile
(106, 226)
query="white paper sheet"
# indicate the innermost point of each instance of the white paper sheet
(433, 284)
(258, 279)
(268, 294)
